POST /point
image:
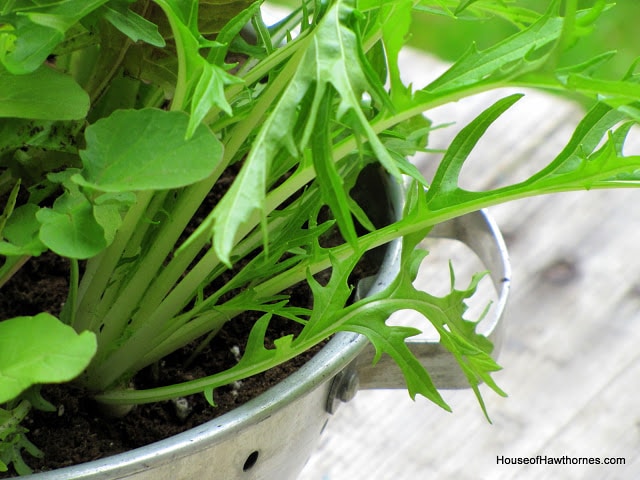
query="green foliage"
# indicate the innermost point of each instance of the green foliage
(134, 26)
(40, 349)
(150, 153)
(13, 440)
(328, 75)
(35, 30)
(446, 31)
(118, 119)
(43, 94)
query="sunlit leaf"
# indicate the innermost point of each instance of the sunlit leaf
(526, 48)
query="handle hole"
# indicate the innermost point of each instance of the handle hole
(251, 461)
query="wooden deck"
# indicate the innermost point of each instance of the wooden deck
(572, 354)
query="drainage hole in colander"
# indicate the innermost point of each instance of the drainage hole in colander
(251, 460)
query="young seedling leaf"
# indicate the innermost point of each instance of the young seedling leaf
(209, 92)
(13, 441)
(151, 152)
(40, 349)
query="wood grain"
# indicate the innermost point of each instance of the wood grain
(572, 357)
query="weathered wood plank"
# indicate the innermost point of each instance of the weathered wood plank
(572, 363)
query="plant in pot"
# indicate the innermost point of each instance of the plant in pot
(192, 175)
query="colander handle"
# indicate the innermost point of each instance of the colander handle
(480, 233)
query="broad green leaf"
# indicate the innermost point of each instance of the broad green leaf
(40, 349)
(26, 50)
(131, 24)
(70, 228)
(151, 152)
(43, 94)
(52, 136)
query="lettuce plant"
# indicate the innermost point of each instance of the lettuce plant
(119, 117)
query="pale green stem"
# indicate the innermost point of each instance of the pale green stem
(114, 300)
(99, 271)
